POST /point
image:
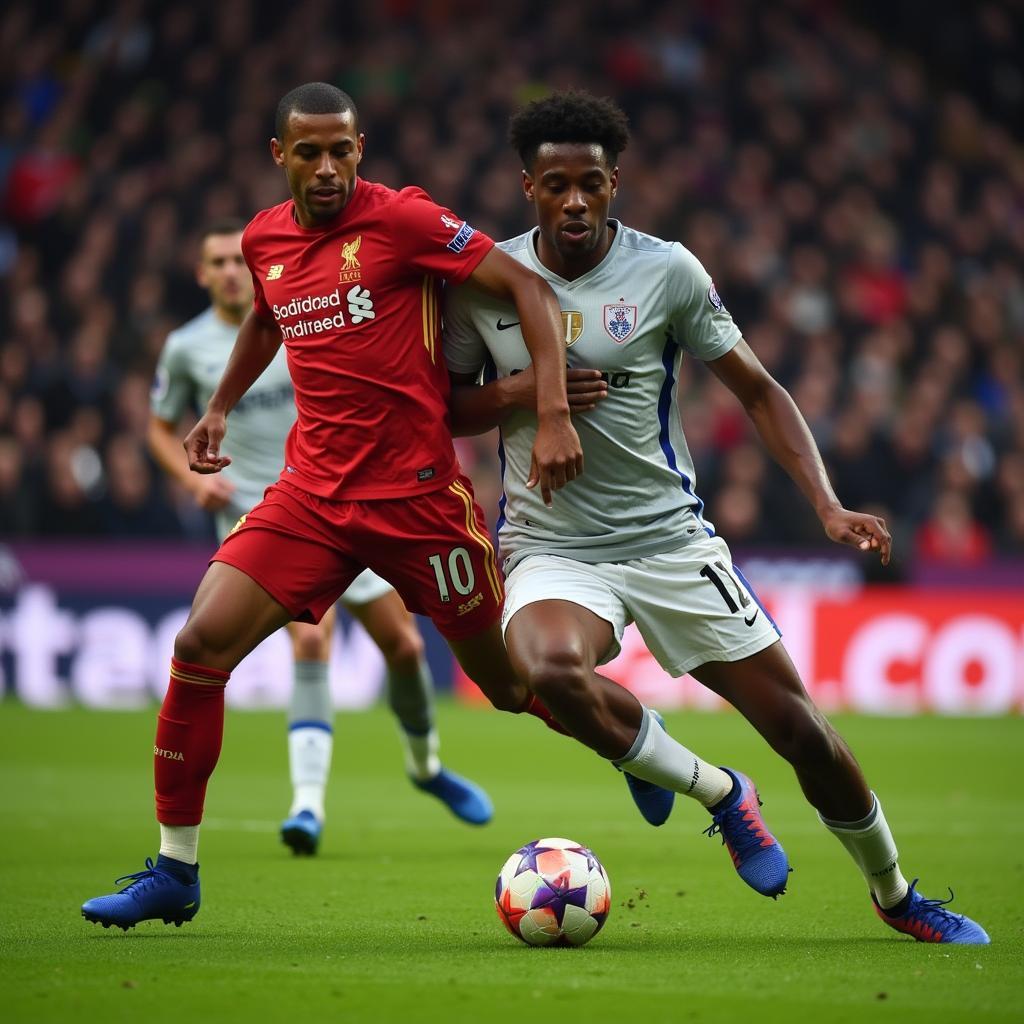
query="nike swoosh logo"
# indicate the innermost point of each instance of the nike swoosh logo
(189, 906)
(503, 326)
(750, 621)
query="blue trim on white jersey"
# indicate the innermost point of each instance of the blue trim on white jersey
(664, 407)
(750, 590)
(310, 723)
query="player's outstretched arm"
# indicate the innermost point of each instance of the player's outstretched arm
(477, 408)
(257, 342)
(557, 454)
(786, 435)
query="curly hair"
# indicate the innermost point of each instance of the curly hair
(569, 116)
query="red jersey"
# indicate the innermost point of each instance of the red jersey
(356, 300)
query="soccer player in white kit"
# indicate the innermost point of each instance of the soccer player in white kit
(190, 366)
(630, 541)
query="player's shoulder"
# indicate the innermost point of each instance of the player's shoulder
(271, 219)
(192, 332)
(519, 245)
(636, 241)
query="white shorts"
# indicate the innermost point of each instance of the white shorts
(366, 587)
(691, 605)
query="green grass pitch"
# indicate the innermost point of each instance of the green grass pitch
(394, 920)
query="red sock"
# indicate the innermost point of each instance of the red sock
(535, 707)
(189, 731)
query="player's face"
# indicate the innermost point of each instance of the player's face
(319, 154)
(572, 186)
(223, 273)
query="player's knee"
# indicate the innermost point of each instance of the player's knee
(310, 644)
(194, 645)
(403, 649)
(558, 675)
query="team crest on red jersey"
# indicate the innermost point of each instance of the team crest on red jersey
(350, 265)
(619, 322)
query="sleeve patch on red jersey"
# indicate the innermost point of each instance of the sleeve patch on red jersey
(461, 239)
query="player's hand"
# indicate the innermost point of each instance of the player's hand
(557, 456)
(584, 388)
(859, 530)
(202, 446)
(211, 493)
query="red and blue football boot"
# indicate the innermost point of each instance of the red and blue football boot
(759, 859)
(928, 920)
(154, 894)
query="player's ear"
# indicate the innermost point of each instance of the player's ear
(614, 179)
(360, 143)
(277, 152)
(528, 185)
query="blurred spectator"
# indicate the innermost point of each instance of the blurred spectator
(852, 176)
(951, 535)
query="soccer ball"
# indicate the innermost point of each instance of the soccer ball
(553, 892)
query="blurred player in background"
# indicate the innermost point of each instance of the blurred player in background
(631, 542)
(346, 275)
(190, 366)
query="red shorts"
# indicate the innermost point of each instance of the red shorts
(434, 549)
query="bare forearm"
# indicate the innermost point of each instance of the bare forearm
(543, 334)
(256, 345)
(166, 448)
(787, 437)
(476, 409)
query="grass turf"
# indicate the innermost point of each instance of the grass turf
(394, 920)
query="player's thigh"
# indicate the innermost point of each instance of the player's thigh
(764, 687)
(231, 613)
(691, 606)
(436, 551)
(556, 609)
(292, 552)
(311, 641)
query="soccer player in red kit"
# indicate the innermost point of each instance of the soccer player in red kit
(346, 275)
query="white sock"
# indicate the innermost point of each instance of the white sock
(309, 755)
(871, 845)
(180, 842)
(421, 760)
(658, 758)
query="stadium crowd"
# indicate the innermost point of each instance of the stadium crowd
(860, 207)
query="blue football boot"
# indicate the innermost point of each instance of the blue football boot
(929, 921)
(465, 799)
(759, 859)
(653, 801)
(154, 894)
(301, 833)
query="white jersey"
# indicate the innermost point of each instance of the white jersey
(187, 374)
(634, 316)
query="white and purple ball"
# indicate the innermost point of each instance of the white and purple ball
(553, 892)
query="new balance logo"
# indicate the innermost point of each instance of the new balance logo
(171, 755)
(275, 272)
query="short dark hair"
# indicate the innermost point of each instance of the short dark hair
(312, 98)
(569, 116)
(222, 226)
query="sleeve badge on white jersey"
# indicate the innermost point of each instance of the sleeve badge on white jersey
(713, 297)
(619, 322)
